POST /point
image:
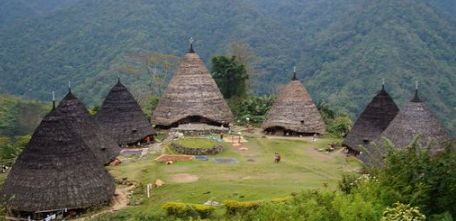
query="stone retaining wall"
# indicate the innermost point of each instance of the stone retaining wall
(197, 151)
(199, 129)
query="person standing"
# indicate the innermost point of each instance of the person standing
(276, 157)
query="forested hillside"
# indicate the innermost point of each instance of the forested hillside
(12, 11)
(401, 41)
(448, 7)
(342, 48)
(82, 42)
(20, 116)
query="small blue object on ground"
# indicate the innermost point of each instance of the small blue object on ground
(200, 157)
(214, 138)
(226, 160)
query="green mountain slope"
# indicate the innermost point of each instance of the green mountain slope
(402, 41)
(20, 116)
(446, 6)
(342, 48)
(15, 10)
(82, 42)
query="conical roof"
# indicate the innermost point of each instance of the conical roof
(121, 117)
(103, 146)
(56, 170)
(191, 92)
(294, 110)
(373, 121)
(414, 118)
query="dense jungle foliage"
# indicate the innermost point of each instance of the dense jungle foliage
(341, 48)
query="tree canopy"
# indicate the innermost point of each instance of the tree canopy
(230, 75)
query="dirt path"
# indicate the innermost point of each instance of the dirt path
(321, 156)
(184, 178)
(119, 202)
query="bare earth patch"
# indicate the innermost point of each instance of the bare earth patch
(183, 178)
(174, 169)
(165, 157)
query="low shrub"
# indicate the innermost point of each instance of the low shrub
(234, 207)
(186, 210)
(282, 199)
(401, 211)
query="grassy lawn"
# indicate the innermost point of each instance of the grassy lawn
(197, 142)
(302, 167)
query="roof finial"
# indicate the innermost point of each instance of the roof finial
(118, 78)
(69, 86)
(53, 100)
(416, 98)
(191, 46)
(383, 83)
(294, 74)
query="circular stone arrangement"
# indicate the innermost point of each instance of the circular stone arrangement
(194, 149)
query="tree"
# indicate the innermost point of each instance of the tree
(336, 123)
(417, 176)
(253, 107)
(158, 67)
(230, 75)
(10, 149)
(245, 54)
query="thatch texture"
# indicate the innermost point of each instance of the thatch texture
(372, 122)
(102, 145)
(415, 118)
(295, 111)
(192, 96)
(56, 170)
(121, 117)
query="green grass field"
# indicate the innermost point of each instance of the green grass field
(197, 142)
(302, 167)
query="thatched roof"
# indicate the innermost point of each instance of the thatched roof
(414, 118)
(121, 117)
(294, 110)
(191, 92)
(373, 121)
(103, 146)
(56, 170)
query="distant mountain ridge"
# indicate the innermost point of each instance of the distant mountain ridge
(342, 48)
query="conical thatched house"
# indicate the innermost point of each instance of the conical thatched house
(294, 112)
(121, 117)
(56, 170)
(103, 146)
(192, 96)
(414, 118)
(372, 122)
